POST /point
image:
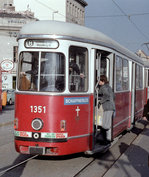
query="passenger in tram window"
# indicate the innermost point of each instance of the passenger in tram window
(77, 84)
(74, 67)
(107, 102)
(25, 84)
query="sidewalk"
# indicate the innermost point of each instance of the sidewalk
(135, 161)
(6, 117)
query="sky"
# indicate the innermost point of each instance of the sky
(125, 21)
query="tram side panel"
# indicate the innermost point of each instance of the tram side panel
(65, 123)
(121, 120)
(139, 104)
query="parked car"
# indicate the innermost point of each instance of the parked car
(10, 96)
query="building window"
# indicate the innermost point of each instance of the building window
(15, 53)
(70, 8)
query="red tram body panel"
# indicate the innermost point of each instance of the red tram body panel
(66, 126)
(123, 104)
(139, 104)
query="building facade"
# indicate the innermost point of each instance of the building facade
(72, 11)
(10, 24)
(142, 54)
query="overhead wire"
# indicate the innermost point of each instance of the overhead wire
(117, 15)
(128, 16)
(41, 3)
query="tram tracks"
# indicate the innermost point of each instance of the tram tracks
(17, 165)
(121, 140)
(82, 169)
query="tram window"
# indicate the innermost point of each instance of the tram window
(28, 71)
(78, 69)
(125, 75)
(52, 73)
(139, 77)
(118, 74)
(122, 74)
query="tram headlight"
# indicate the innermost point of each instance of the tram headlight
(16, 123)
(63, 125)
(37, 124)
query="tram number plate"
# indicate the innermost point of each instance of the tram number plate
(37, 150)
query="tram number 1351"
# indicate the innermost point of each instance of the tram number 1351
(38, 109)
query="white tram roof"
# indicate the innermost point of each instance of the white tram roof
(73, 32)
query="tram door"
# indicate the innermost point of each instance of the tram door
(133, 93)
(104, 66)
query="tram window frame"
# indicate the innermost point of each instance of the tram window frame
(73, 86)
(121, 74)
(139, 77)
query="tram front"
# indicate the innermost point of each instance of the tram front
(52, 105)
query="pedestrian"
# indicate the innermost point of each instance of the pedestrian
(107, 102)
(146, 111)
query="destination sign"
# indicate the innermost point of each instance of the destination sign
(41, 43)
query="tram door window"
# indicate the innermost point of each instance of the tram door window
(78, 69)
(104, 64)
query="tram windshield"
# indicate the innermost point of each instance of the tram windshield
(43, 71)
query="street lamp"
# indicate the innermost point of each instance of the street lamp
(54, 12)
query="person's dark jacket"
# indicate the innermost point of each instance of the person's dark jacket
(107, 97)
(146, 110)
(75, 67)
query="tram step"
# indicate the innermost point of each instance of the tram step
(98, 148)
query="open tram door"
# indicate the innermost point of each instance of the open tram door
(133, 94)
(103, 66)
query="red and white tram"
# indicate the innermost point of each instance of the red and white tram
(58, 70)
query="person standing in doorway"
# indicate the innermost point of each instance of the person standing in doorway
(107, 102)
